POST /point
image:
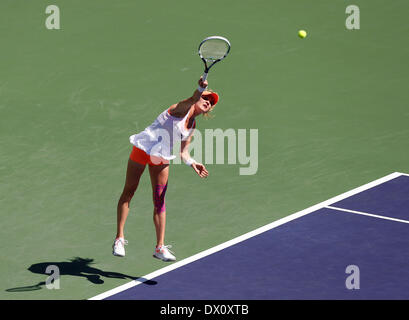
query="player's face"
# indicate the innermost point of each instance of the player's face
(204, 104)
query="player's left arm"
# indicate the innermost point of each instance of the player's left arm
(199, 168)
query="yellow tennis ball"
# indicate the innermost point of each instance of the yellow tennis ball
(302, 34)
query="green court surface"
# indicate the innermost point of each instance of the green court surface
(331, 112)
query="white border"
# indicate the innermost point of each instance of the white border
(246, 236)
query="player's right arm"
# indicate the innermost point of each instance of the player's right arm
(181, 108)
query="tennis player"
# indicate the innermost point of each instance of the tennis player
(153, 147)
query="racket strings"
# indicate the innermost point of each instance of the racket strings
(214, 49)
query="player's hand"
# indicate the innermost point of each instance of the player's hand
(202, 83)
(200, 169)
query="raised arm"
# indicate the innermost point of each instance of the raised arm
(180, 109)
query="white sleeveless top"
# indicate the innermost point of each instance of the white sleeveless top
(158, 139)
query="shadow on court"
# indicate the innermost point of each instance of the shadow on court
(77, 267)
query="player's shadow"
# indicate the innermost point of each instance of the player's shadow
(77, 267)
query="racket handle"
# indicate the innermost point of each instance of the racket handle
(204, 77)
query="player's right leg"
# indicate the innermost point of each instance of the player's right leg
(133, 175)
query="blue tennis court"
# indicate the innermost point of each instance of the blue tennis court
(303, 256)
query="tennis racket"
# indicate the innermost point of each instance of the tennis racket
(212, 50)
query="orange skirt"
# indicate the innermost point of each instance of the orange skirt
(143, 158)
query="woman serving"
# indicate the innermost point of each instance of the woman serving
(153, 147)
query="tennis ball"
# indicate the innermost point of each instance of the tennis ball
(302, 34)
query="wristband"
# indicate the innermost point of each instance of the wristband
(190, 161)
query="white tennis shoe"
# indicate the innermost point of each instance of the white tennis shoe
(118, 248)
(163, 253)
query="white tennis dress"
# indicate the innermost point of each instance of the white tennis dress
(159, 138)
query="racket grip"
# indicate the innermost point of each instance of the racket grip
(204, 77)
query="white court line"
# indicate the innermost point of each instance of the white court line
(246, 236)
(367, 214)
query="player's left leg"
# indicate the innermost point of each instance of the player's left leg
(159, 179)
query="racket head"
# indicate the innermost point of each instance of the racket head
(213, 49)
